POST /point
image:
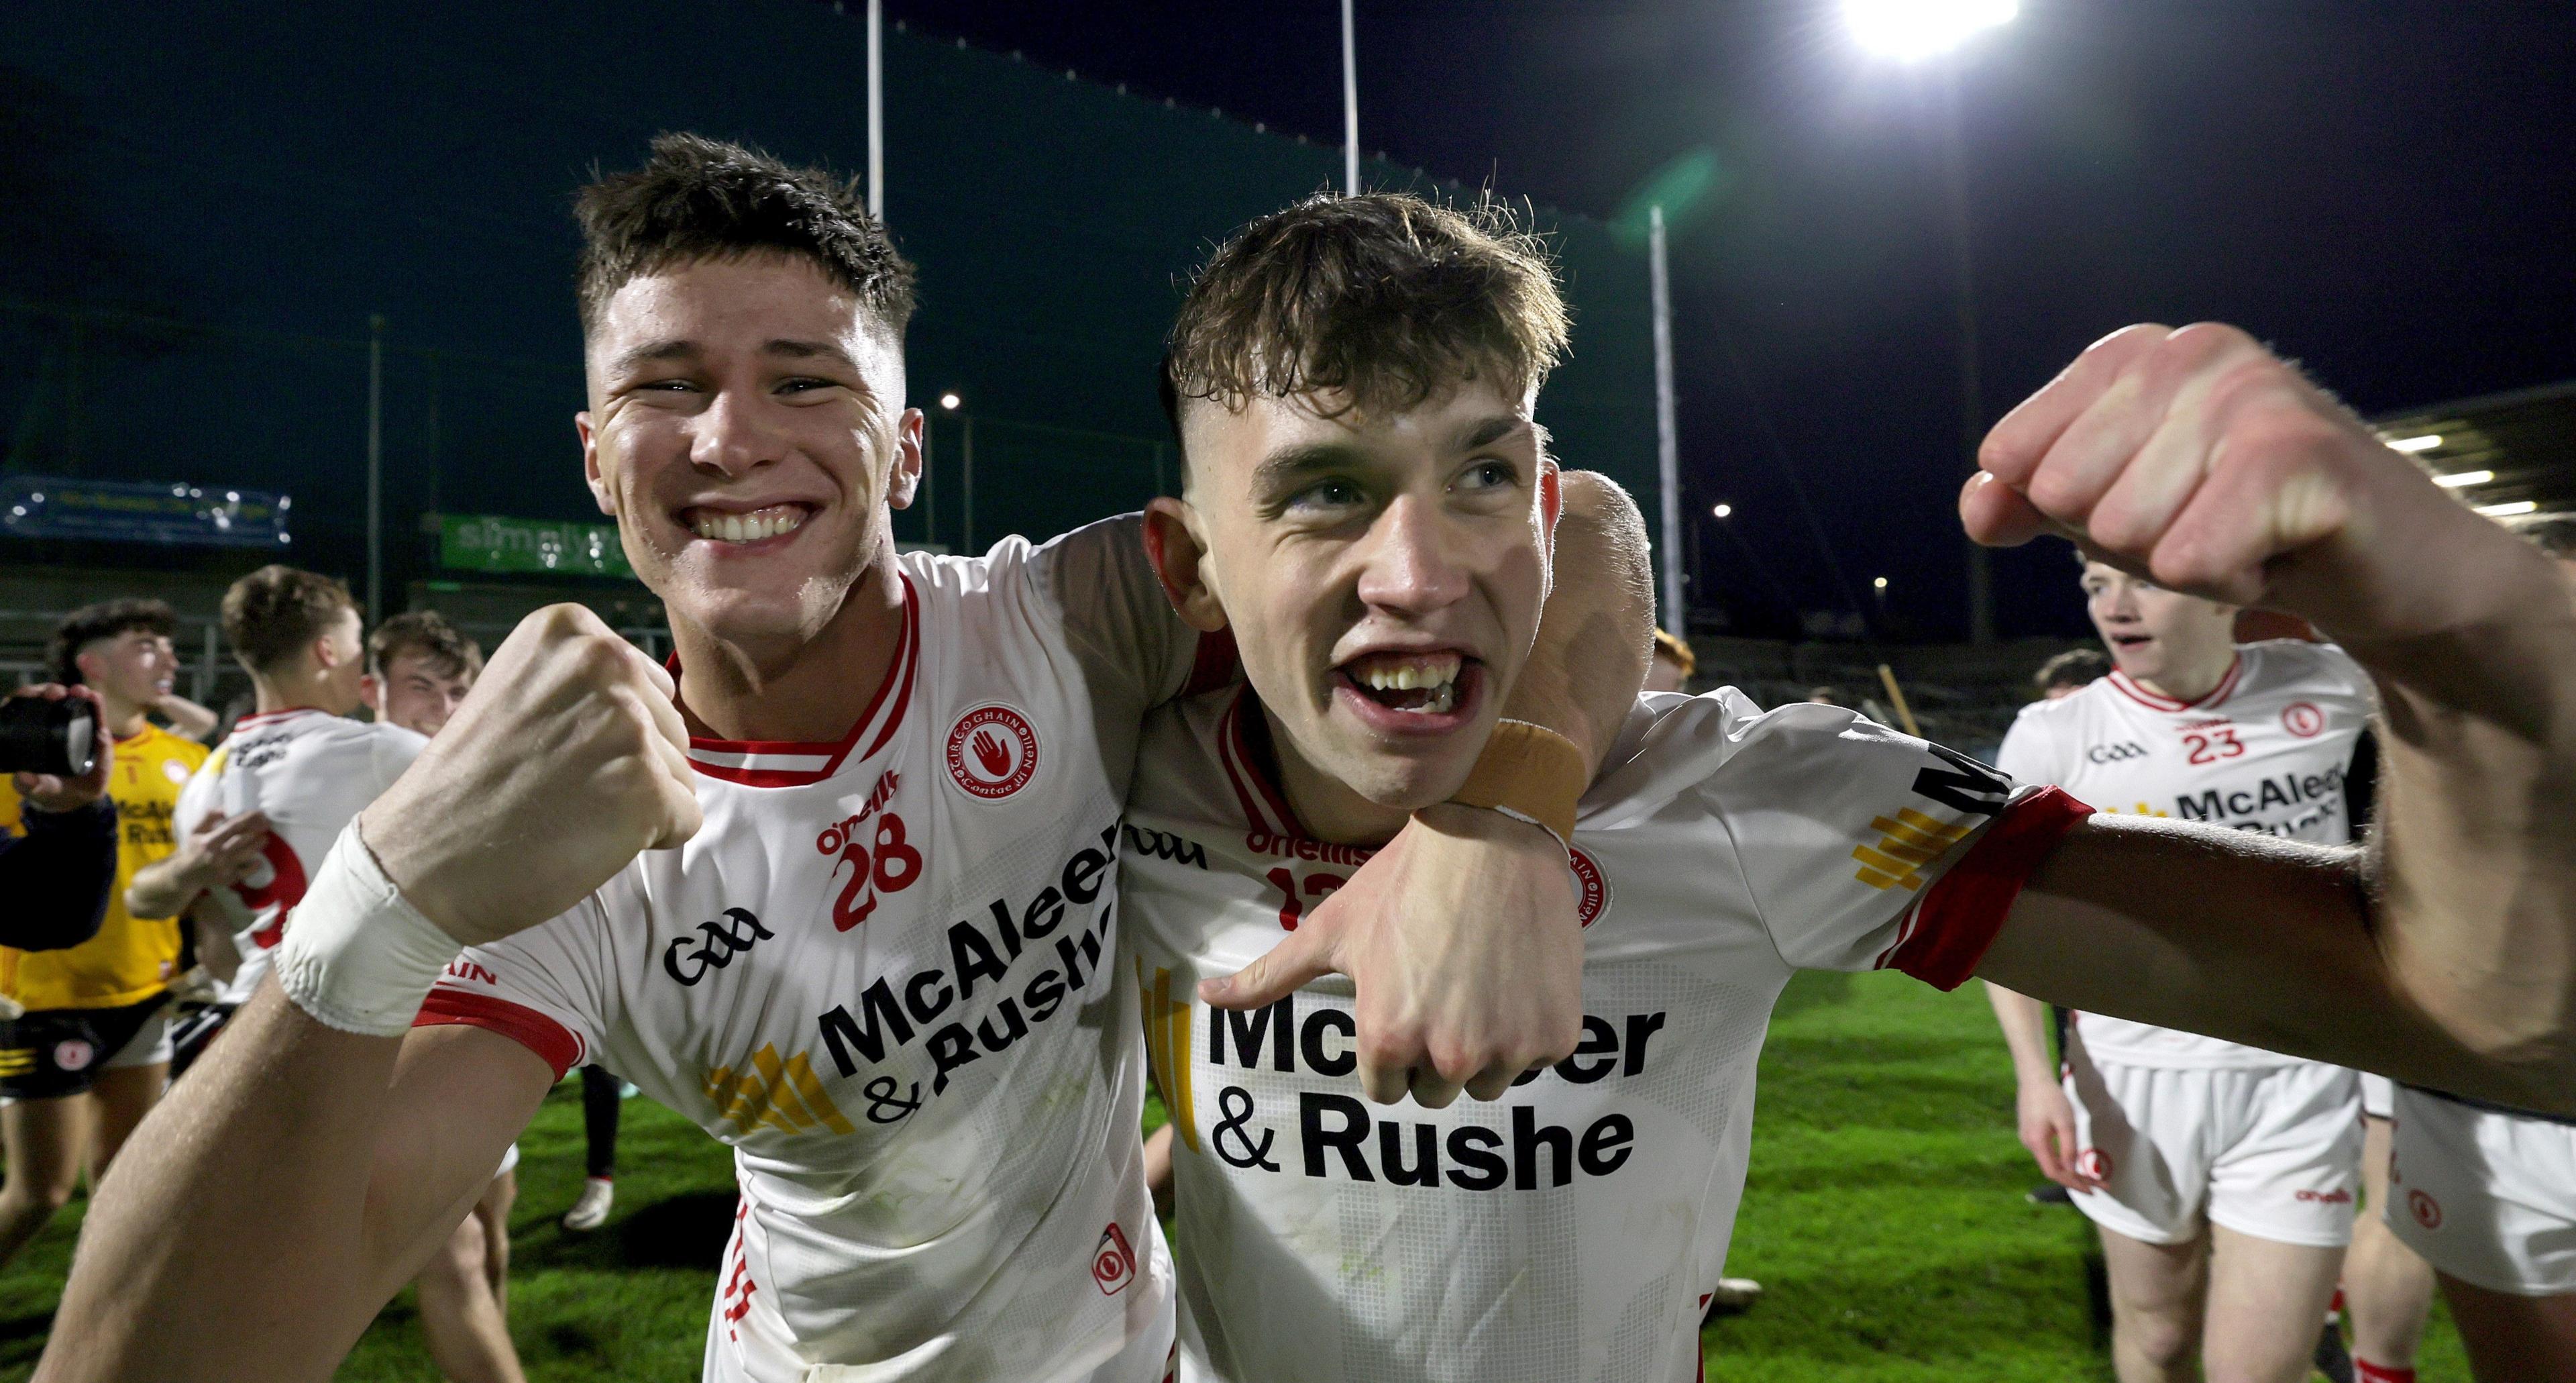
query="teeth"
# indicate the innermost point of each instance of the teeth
(1437, 673)
(747, 528)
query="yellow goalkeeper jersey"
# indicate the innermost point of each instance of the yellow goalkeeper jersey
(129, 961)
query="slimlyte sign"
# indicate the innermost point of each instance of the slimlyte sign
(493, 543)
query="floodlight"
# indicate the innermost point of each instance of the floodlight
(2458, 479)
(950, 401)
(1723, 510)
(2506, 511)
(2415, 444)
(1911, 30)
(1878, 583)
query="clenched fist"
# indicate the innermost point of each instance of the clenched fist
(2202, 460)
(566, 760)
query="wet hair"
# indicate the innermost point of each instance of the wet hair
(703, 199)
(428, 634)
(104, 620)
(277, 612)
(1383, 299)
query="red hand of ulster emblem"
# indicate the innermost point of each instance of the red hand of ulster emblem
(989, 752)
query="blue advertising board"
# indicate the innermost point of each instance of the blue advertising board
(126, 511)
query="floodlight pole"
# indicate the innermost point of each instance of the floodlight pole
(375, 467)
(1667, 442)
(1350, 107)
(1972, 406)
(876, 109)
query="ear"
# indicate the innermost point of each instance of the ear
(1178, 550)
(371, 690)
(1551, 506)
(600, 494)
(91, 666)
(904, 479)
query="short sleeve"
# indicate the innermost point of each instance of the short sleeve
(1136, 651)
(2029, 753)
(545, 988)
(1868, 849)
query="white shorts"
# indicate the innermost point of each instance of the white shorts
(149, 1046)
(2270, 1151)
(2488, 1198)
(2378, 1097)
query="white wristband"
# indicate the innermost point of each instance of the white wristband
(356, 956)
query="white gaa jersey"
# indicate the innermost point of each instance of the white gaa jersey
(1573, 1229)
(2266, 750)
(312, 772)
(885, 973)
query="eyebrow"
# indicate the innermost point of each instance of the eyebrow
(1490, 431)
(1292, 464)
(680, 349)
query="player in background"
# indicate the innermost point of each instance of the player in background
(839, 886)
(1673, 664)
(419, 668)
(2486, 1194)
(87, 1051)
(1366, 509)
(297, 761)
(602, 1093)
(2221, 1176)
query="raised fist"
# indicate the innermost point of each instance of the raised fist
(2200, 459)
(566, 760)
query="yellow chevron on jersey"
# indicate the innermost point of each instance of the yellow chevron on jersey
(129, 961)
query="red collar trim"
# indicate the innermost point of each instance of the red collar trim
(1247, 769)
(788, 763)
(260, 716)
(2156, 702)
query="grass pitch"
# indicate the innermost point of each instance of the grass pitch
(1884, 1215)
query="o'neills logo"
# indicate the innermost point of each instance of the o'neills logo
(1596, 889)
(992, 752)
(1113, 1263)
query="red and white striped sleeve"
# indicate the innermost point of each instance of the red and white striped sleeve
(543, 988)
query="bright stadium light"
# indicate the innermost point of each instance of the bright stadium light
(1723, 510)
(1878, 583)
(2415, 444)
(2506, 511)
(2462, 479)
(950, 401)
(1912, 30)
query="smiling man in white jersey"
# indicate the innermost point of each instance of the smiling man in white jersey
(871, 945)
(1367, 509)
(2222, 1176)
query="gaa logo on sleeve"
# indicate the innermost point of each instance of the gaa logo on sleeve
(992, 752)
(1113, 1264)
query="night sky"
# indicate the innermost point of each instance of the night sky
(2382, 190)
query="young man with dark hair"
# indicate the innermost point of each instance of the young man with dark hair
(419, 668)
(89, 1051)
(839, 886)
(1379, 546)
